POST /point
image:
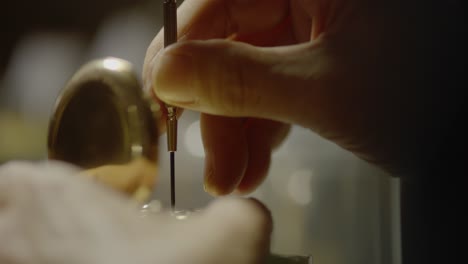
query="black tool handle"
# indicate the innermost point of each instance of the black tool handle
(170, 22)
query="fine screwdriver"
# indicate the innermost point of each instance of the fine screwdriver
(170, 37)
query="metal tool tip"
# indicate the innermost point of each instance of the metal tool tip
(172, 157)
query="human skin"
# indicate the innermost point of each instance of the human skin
(50, 215)
(359, 73)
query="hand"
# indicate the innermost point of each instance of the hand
(49, 215)
(355, 72)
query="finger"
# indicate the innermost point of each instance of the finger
(217, 19)
(226, 152)
(262, 137)
(161, 113)
(246, 222)
(209, 19)
(238, 152)
(301, 21)
(228, 210)
(228, 231)
(235, 79)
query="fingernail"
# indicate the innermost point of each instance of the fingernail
(208, 185)
(173, 77)
(215, 189)
(209, 188)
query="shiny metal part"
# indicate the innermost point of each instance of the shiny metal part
(171, 124)
(170, 37)
(104, 124)
(170, 22)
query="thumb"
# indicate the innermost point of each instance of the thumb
(229, 78)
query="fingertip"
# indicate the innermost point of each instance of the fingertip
(266, 213)
(241, 208)
(245, 189)
(226, 153)
(258, 166)
(159, 108)
(256, 172)
(218, 183)
(173, 78)
(249, 214)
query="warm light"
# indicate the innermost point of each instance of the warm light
(112, 64)
(181, 217)
(154, 206)
(137, 150)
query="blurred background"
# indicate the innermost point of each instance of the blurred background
(324, 201)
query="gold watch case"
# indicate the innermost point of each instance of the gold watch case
(103, 123)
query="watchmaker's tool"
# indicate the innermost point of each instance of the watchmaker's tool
(170, 37)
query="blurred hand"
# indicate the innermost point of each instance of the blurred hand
(49, 215)
(354, 72)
